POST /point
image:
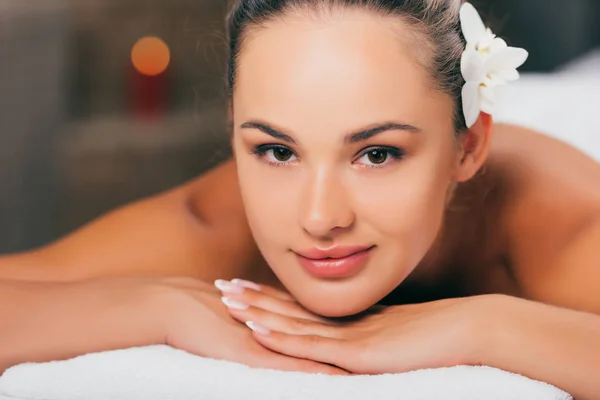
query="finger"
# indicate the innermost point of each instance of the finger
(285, 363)
(310, 347)
(283, 323)
(274, 305)
(268, 290)
(238, 286)
(258, 356)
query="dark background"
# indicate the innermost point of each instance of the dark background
(74, 142)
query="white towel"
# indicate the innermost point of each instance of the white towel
(164, 373)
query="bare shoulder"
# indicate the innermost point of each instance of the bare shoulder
(553, 196)
(215, 197)
(545, 165)
(545, 172)
(197, 229)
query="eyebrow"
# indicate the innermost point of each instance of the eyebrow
(354, 137)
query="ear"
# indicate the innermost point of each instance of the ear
(475, 147)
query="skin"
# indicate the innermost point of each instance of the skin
(329, 192)
(504, 210)
(325, 195)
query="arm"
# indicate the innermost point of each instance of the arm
(42, 322)
(552, 342)
(61, 301)
(547, 343)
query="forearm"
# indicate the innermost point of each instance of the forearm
(52, 321)
(550, 344)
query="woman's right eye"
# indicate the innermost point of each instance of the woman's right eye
(274, 154)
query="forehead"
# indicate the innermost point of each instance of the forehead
(354, 62)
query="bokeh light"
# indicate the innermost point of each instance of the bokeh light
(150, 56)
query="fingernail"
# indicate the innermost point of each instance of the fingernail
(261, 330)
(228, 287)
(235, 304)
(246, 284)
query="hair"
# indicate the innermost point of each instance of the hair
(436, 21)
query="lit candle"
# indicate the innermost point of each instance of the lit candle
(150, 57)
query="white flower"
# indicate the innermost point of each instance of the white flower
(487, 62)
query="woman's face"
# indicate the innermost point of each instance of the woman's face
(341, 145)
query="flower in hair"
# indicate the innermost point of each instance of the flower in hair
(486, 63)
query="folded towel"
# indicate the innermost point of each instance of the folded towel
(163, 373)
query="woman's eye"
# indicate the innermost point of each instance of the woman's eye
(379, 157)
(375, 157)
(277, 155)
(282, 154)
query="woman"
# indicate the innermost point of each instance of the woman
(376, 220)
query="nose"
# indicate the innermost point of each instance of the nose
(326, 205)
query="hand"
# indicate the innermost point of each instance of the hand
(57, 321)
(198, 322)
(383, 340)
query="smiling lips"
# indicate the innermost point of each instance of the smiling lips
(337, 262)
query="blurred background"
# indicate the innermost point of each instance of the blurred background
(103, 102)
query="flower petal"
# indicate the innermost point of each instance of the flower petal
(486, 94)
(486, 40)
(471, 101)
(494, 79)
(487, 100)
(497, 44)
(473, 27)
(506, 59)
(472, 66)
(508, 75)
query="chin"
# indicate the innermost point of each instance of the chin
(337, 311)
(335, 306)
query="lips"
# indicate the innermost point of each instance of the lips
(337, 262)
(334, 252)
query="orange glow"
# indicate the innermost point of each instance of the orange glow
(150, 56)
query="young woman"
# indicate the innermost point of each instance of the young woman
(375, 217)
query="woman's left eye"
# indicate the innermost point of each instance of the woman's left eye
(377, 157)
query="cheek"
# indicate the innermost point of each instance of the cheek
(408, 205)
(270, 200)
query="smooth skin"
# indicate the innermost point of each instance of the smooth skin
(486, 249)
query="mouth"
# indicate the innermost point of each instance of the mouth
(338, 262)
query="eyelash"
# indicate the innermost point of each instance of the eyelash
(259, 151)
(394, 153)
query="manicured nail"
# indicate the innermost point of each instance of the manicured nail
(228, 287)
(234, 304)
(261, 330)
(246, 284)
